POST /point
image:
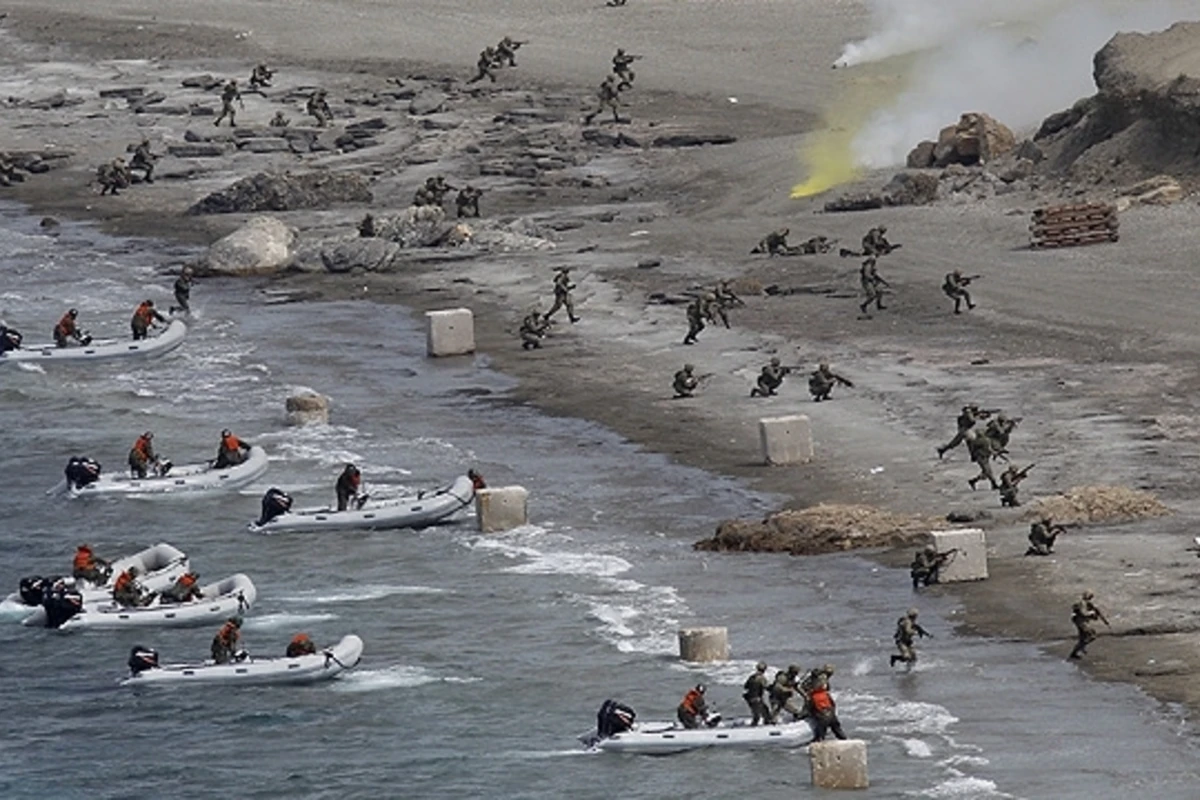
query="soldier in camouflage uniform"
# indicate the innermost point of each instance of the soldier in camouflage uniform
(113, 176)
(1083, 614)
(488, 59)
(955, 287)
(927, 565)
(875, 243)
(279, 121)
(260, 76)
(562, 294)
(726, 299)
(467, 201)
(982, 452)
(621, 68)
(775, 244)
(1010, 482)
(783, 693)
(699, 311)
(822, 381)
(533, 329)
(685, 382)
(966, 421)
(770, 379)
(506, 51)
(609, 96)
(228, 95)
(755, 688)
(999, 429)
(1042, 535)
(318, 108)
(907, 630)
(872, 285)
(144, 160)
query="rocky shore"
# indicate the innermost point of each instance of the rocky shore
(646, 213)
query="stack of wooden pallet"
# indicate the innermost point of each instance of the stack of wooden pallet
(1073, 225)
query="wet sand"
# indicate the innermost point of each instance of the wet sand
(1094, 348)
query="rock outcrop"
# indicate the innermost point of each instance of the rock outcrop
(268, 191)
(307, 407)
(976, 139)
(261, 246)
(819, 529)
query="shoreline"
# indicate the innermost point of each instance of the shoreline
(913, 368)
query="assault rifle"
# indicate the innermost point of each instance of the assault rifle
(1021, 474)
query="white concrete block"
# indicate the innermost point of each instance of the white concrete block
(839, 764)
(502, 508)
(450, 332)
(704, 644)
(970, 562)
(307, 408)
(786, 440)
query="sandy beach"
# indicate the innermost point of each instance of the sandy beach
(1093, 348)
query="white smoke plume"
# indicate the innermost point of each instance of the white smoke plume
(1017, 60)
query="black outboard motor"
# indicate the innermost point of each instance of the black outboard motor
(10, 339)
(142, 659)
(34, 589)
(81, 471)
(613, 718)
(61, 603)
(274, 503)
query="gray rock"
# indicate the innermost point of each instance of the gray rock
(265, 145)
(202, 111)
(261, 246)
(427, 102)
(370, 254)
(130, 92)
(139, 104)
(56, 100)
(372, 124)
(267, 191)
(205, 82)
(855, 202)
(198, 150)
(606, 139)
(911, 189)
(1028, 149)
(693, 139)
(921, 156)
(440, 122)
(649, 263)
(1019, 171)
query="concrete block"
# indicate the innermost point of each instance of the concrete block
(970, 562)
(450, 332)
(307, 408)
(502, 508)
(839, 764)
(786, 440)
(704, 644)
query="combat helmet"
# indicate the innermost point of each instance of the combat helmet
(912, 613)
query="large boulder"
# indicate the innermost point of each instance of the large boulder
(261, 246)
(976, 139)
(271, 191)
(370, 254)
(307, 407)
(921, 156)
(416, 226)
(911, 189)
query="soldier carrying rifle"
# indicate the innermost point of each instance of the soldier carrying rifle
(927, 565)
(1010, 479)
(1042, 534)
(955, 287)
(621, 68)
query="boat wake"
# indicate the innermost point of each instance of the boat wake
(397, 677)
(273, 622)
(360, 594)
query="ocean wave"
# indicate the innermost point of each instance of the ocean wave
(964, 786)
(370, 592)
(272, 622)
(889, 715)
(571, 564)
(397, 677)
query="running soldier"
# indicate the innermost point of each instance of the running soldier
(966, 421)
(621, 63)
(872, 285)
(1083, 614)
(822, 381)
(699, 311)
(228, 95)
(955, 287)
(609, 96)
(487, 61)
(562, 295)
(907, 631)
(506, 51)
(982, 452)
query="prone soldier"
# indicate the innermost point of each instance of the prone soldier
(775, 244)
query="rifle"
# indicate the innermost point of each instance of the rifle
(1021, 474)
(844, 381)
(1100, 616)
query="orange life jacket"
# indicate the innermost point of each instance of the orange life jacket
(187, 580)
(228, 634)
(83, 558)
(142, 445)
(477, 482)
(692, 701)
(144, 314)
(123, 580)
(65, 326)
(822, 702)
(300, 639)
(231, 443)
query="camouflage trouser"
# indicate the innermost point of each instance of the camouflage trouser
(819, 389)
(614, 104)
(874, 295)
(1008, 496)
(958, 296)
(766, 387)
(695, 325)
(1086, 636)
(907, 654)
(147, 167)
(985, 471)
(780, 704)
(561, 300)
(530, 339)
(823, 724)
(484, 72)
(758, 709)
(958, 439)
(226, 111)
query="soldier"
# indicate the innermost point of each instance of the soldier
(822, 381)
(875, 243)
(1083, 613)
(699, 311)
(824, 714)
(144, 160)
(318, 108)
(184, 589)
(872, 284)
(756, 687)
(487, 60)
(126, 592)
(616, 3)
(144, 316)
(726, 299)
(685, 383)
(183, 291)
(533, 329)
(367, 229)
(982, 452)
(999, 429)
(112, 176)
(907, 629)
(609, 97)
(816, 678)
(1010, 480)
(562, 294)
(620, 67)
(225, 643)
(816, 245)
(971, 414)
(955, 287)
(783, 692)
(279, 121)
(770, 379)
(1042, 534)
(775, 244)
(467, 201)
(260, 77)
(927, 565)
(506, 51)
(229, 94)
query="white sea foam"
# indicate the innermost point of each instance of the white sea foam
(271, 622)
(397, 677)
(359, 594)
(572, 564)
(889, 715)
(916, 748)
(964, 786)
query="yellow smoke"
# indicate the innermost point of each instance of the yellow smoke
(827, 156)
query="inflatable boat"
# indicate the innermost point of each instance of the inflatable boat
(101, 349)
(414, 511)
(323, 665)
(665, 738)
(202, 477)
(158, 568)
(225, 598)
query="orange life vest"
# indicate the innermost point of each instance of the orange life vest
(187, 580)
(300, 639)
(477, 482)
(228, 634)
(821, 701)
(123, 580)
(692, 701)
(83, 558)
(231, 443)
(144, 314)
(65, 326)
(142, 445)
